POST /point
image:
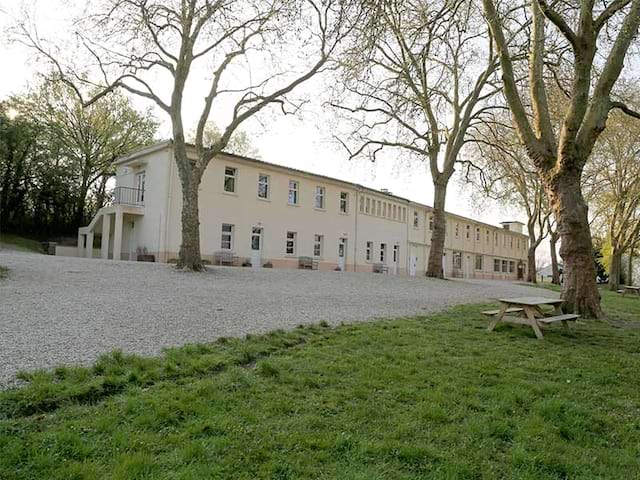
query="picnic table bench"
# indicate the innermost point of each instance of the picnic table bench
(307, 262)
(380, 268)
(531, 312)
(630, 289)
(224, 258)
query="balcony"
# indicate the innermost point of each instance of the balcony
(128, 196)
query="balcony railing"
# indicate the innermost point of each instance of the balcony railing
(128, 196)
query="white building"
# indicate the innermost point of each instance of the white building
(265, 213)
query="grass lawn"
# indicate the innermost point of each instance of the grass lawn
(428, 397)
(15, 242)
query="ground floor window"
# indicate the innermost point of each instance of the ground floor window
(496, 264)
(227, 237)
(396, 253)
(512, 266)
(505, 266)
(383, 252)
(318, 241)
(290, 247)
(457, 259)
(368, 251)
(478, 262)
(256, 238)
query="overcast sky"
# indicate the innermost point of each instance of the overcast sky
(304, 141)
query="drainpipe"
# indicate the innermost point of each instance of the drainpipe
(355, 240)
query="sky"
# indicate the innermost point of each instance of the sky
(304, 141)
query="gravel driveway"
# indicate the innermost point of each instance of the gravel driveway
(57, 310)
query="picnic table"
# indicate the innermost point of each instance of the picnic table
(531, 313)
(630, 289)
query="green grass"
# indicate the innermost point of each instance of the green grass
(429, 397)
(14, 242)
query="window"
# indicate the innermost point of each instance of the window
(319, 197)
(141, 179)
(384, 209)
(318, 241)
(344, 202)
(518, 244)
(430, 223)
(477, 234)
(361, 204)
(404, 214)
(496, 264)
(468, 232)
(294, 188)
(505, 266)
(368, 251)
(367, 206)
(290, 246)
(256, 238)
(383, 252)
(512, 266)
(478, 262)
(487, 236)
(396, 253)
(379, 208)
(395, 212)
(263, 186)
(457, 259)
(457, 230)
(230, 175)
(226, 242)
(495, 237)
(511, 242)
(416, 219)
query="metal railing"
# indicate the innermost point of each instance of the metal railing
(128, 196)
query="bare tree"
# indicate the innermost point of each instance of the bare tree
(503, 172)
(586, 28)
(417, 79)
(614, 182)
(243, 48)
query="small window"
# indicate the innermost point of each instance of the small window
(361, 204)
(518, 247)
(383, 252)
(230, 175)
(344, 202)
(368, 251)
(384, 209)
(457, 259)
(294, 188)
(395, 212)
(487, 236)
(256, 238)
(367, 206)
(512, 266)
(477, 234)
(505, 266)
(290, 247)
(263, 186)
(396, 253)
(320, 197)
(226, 242)
(478, 262)
(495, 237)
(457, 230)
(416, 219)
(404, 214)
(430, 223)
(496, 264)
(318, 244)
(379, 208)
(468, 232)
(141, 180)
(511, 242)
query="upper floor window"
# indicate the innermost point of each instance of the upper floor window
(230, 176)
(416, 219)
(487, 236)
(468, 232)
(379, 208)
(430, 223)
(226, 242)
(320, 197)
(457, 230)
(361, 204)
(367, 205)
(263, 186)
(395, 212)
(404, 214)
(290, 247)
(511, 242)
(384, 209)
(344, 202)
(141, 179)
(293, 192)
(495, 237)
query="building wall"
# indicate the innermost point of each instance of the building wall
(369, 218)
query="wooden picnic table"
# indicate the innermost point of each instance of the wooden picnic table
(630, 289)
(532, 313)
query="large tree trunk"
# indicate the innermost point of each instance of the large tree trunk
(531, 265)
(434, 268)
(189, 257)
(555, 271)
(615, 269)
(579, 289)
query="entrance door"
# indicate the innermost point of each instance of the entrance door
(342, 253)
(395, 258)
(140, 185)
(256, 247)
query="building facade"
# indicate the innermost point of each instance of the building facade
(265, 213)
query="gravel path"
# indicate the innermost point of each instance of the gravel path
(57, 310)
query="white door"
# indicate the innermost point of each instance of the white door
(256, 247)
(141, 179)
(395, 258)
(342, 253)
(413, 265)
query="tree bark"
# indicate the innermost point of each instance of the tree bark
(531, 265)
(615, 270)
(434, 268)
(579, 290)
(189, 257)
(555, 271)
